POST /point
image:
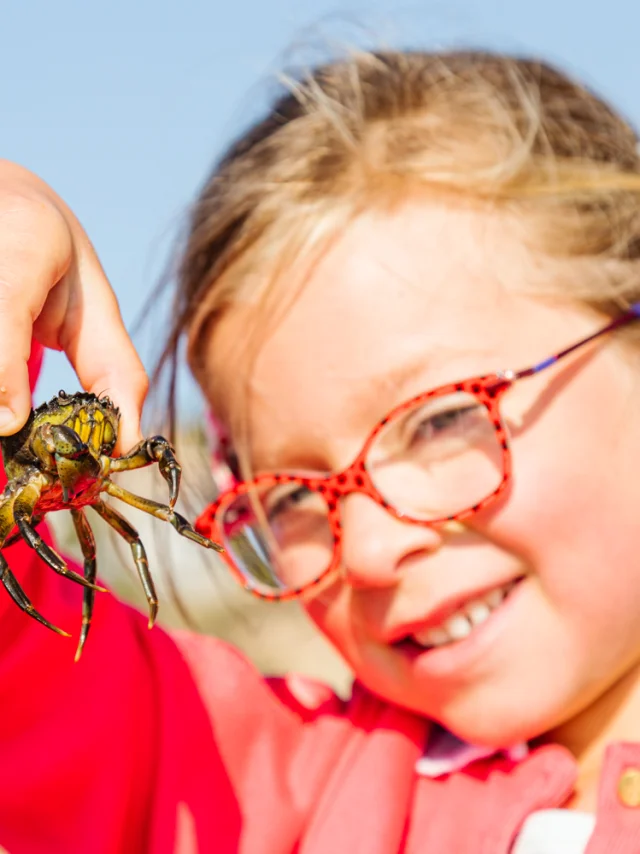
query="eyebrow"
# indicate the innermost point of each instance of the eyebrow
(399, 377)
(387, 390)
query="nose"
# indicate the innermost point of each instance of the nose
(376, 546)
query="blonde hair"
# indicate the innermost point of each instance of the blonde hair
(488, 128)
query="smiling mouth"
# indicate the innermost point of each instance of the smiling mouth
(462, 622)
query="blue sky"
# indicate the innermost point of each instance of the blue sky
(122, 107)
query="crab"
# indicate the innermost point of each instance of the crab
(61, 460)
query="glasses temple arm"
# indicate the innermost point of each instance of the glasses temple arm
(633, 313)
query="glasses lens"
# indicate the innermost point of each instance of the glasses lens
(437, 458)
(278, 536)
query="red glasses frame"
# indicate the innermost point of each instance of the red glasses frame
(488, 390)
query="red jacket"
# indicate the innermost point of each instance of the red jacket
(154, 744)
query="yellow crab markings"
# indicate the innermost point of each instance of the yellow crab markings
(96, 437)
(90, 427)
(109, 434)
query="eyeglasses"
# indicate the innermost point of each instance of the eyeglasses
(441, 456)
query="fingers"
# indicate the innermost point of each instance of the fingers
(95, 339)
(26, 274)
(53, 286)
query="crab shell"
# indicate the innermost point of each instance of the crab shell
(95, 420)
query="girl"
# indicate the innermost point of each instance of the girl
(410, 295)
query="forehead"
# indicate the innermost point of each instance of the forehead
(399, 302)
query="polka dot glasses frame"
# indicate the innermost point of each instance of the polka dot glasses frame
(441, 456)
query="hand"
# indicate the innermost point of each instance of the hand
(53, 288)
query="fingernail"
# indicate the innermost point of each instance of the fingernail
(7, 419)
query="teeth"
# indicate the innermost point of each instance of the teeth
(459, 625)
(478, 611)
(432, 637)
(495, 597)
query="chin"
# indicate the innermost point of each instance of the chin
(489, 721)
(494, 734)
(496, 718)
(496, 727)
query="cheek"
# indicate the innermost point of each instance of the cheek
(331, 612)
(570, 511)
(328, 610)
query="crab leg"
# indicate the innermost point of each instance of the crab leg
(129, 533)
(88, 546)
(20, 597)
(8, 579)
(16, 536)
(161, 511)
(157, 449)
(25, 500)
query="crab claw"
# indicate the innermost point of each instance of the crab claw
(170, 468)
(171, 473)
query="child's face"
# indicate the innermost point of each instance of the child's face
(435, 294)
